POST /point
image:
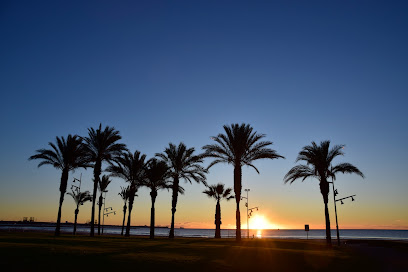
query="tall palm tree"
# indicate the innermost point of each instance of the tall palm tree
(218, 192)
(319, 160)
(124, 194)
(101, 146)
(239, 146)
(80, 198)
(103, 186)
(131, 168)
(182, 165)
(66, 155)
(157, 174)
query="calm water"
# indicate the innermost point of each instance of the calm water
(284, 234)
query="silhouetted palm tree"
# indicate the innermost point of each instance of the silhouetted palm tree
(103, 186)
(318, 160)
(131, 168)
(218, 193)
(239, 146)
(66, 155)
(124, 194)
(157, 174)
(183, 165)
(101, 145)
(80, 198)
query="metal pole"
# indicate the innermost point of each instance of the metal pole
(335, 211)
(103, 218)
(247, 214)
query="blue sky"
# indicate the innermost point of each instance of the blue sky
(171, 71)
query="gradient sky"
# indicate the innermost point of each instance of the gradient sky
(171, 71)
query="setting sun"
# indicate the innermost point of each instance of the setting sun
(260, 222)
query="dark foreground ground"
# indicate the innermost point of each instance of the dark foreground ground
(44, 252)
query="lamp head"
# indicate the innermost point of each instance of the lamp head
(341, 202)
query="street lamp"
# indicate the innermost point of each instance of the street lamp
(106, 211)
(335, 193)
(249, 210)
(77, 188)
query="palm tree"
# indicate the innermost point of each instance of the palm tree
(66, 155)
(239, 146)
(80, 198)
(102, 185)
(101, 145)
(182, 165)
(124, 194)
(131, 168)
(319, 160)
(218, 193)
(157, 173)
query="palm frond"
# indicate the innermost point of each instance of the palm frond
(345, 168)
(299, 172)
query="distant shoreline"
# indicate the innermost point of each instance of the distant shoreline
(4, 223)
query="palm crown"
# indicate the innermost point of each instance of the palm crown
(239, 146)
(157, 174)
(103, 183)
(129, 167)
(80, 197)
(319, 160)
(219, 192)
(102, 144)
(182, 163)
(124, 193)
(66, 154)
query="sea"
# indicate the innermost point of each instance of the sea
(401, 235)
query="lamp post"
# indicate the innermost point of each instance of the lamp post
(249, 210)
(105, 212)
(246, 204)
(335, 193)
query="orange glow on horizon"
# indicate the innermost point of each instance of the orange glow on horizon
(259, 222)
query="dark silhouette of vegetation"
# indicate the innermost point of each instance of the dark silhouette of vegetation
(218, 193)
(239, 146)
(131, 168)
(66, 155)
(101, 146)
(80, 198)
(319, 160)
(182, 165)
(103, 186)
(124, 194)
(157, 174)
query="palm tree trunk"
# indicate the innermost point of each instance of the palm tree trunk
(324, 189)
(218, 220)
(237, 190)
(124, 217)
(97, 172)
(76, 218)
(153, 195)
(99, 214)
(63, 189)
(174, 204)
(131, 199)
(328, 233)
